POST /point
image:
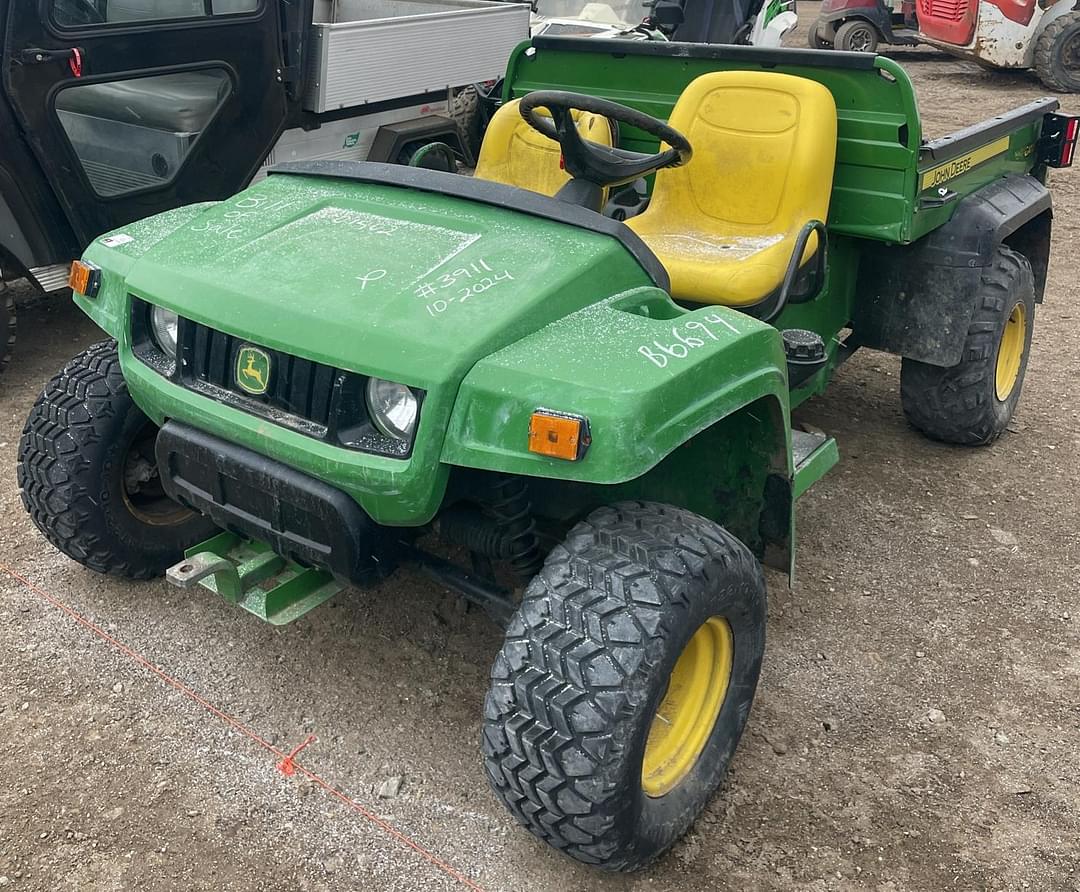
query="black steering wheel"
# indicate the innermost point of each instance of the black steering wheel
(589, 161)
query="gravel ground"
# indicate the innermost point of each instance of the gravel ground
(916, 726)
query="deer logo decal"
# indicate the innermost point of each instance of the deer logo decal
(252, 370)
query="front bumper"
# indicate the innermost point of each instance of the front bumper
(391, 491)
(301, 518)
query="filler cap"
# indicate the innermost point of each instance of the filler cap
(802, 346)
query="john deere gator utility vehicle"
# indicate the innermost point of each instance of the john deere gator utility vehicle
(315, 381)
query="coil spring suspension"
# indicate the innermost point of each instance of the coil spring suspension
(510, 507)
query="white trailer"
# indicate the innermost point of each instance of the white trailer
(384, 76)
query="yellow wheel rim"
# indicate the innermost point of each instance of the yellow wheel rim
(1011, 352)
(686, 717)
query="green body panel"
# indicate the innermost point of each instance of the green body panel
(371, 278)
(283, 266)
(647, 374)
(1019, 158)
(827, 314)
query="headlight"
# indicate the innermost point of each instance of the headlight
(163, 324)
(393, 408)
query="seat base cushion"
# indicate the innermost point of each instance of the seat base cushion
(735, 269)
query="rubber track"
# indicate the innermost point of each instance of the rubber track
(57, 489)
(953, 404)
(590, 624)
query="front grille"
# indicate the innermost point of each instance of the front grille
(315, 399)
(297, 386)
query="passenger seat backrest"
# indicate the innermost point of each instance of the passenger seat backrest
(515, 154)
(764, 152)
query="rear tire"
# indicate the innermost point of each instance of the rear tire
(88, 476)
(1057, 54)
(973, 402)
(857, 36)
(598, 735)
(465, 112)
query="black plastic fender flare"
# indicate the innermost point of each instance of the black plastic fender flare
(391, 139)
(915, 300)
(985, 219)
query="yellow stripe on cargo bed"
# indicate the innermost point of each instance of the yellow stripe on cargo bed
(935, 176)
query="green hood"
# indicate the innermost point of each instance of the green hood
(407, 285)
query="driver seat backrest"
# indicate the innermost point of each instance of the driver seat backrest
(515, 154)
(725, 224)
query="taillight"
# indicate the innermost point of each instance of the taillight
(1057, 145)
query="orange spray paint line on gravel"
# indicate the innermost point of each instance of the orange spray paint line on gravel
(250, 733)
(286, 766)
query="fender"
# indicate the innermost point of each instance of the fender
(916, 299)
(13, 249)
(391, 139)
(11, 268)
(648, 376)
(654, 382)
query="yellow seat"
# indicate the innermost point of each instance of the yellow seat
(725, 224)
(515, 154)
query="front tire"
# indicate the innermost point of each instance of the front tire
(625, 682)
(973, 402)
(88, 476)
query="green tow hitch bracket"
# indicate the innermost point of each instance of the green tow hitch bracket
(249, 573)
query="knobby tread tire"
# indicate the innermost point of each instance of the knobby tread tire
(959, 404)
(1047, 62)
(71, 468)
(464, 109)
(585, 663)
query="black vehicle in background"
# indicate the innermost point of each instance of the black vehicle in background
(114, 110)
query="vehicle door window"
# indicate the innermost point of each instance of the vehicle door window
(80, 13)
(135, 133)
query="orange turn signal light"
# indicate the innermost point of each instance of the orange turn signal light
(84, 278)
(558, 434)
